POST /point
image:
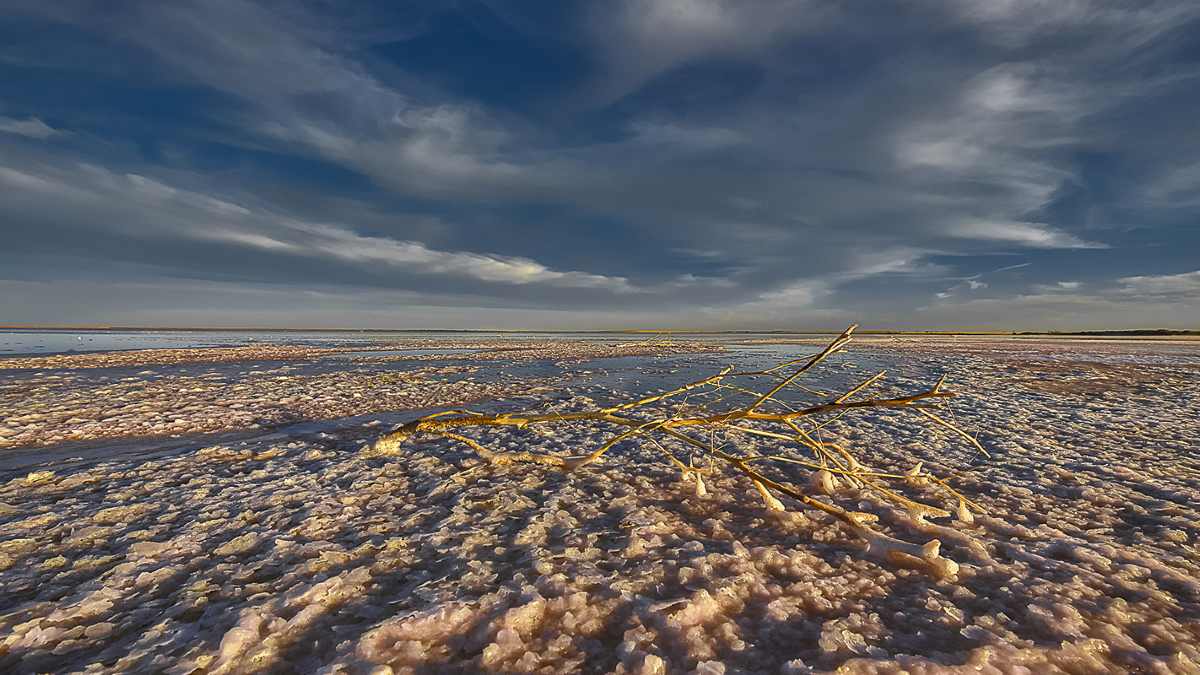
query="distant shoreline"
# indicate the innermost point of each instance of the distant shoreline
(1133, 332)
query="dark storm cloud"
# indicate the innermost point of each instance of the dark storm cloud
(689, 162)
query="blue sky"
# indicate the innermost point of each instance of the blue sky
(777, 164)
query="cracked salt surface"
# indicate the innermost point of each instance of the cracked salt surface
(308, 554)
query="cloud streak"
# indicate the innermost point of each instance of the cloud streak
(186, 214)
(1033, 235)
(31, 127)
(1184, 285)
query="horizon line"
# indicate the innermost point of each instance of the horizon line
(647, 331)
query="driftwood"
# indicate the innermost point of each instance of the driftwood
(765, 415)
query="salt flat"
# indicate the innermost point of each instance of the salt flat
(298, 547)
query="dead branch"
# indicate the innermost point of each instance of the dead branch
(765, 416)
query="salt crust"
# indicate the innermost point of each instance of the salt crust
(48, 400)
(310, 556)
(56, 407)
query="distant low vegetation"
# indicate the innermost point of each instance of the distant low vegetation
(1148, 332)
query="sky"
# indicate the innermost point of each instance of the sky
(704, 164)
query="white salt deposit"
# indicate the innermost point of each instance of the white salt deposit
(83, 406)
(311, 555)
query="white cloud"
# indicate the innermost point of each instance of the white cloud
(423, 149)
(96, 193)
(1007, 268)
(1033, 235)
(640, 39)
(1175, 187)
(1058, 287)
(996, 139)
(806, 293)
(1185, 284)
(686, 280)
(939, 153)
(793, 295)
(339, 242)
(250, 239)
(281, 62)
(894, 260)
(1020, 88)
(31, 127)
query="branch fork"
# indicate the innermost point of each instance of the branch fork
(766, 415)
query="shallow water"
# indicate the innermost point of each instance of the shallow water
(19, 341)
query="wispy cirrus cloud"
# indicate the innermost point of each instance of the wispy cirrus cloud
(144, 207)
(1184, 284)
(30, 127)
(1033, 235)
(638, 40)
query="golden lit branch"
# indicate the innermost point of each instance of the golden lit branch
(765, 416)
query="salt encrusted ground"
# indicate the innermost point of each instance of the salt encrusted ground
(46, 400)
(307, 553)
(80, 406)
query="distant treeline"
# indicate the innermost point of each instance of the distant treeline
(1148, 332)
